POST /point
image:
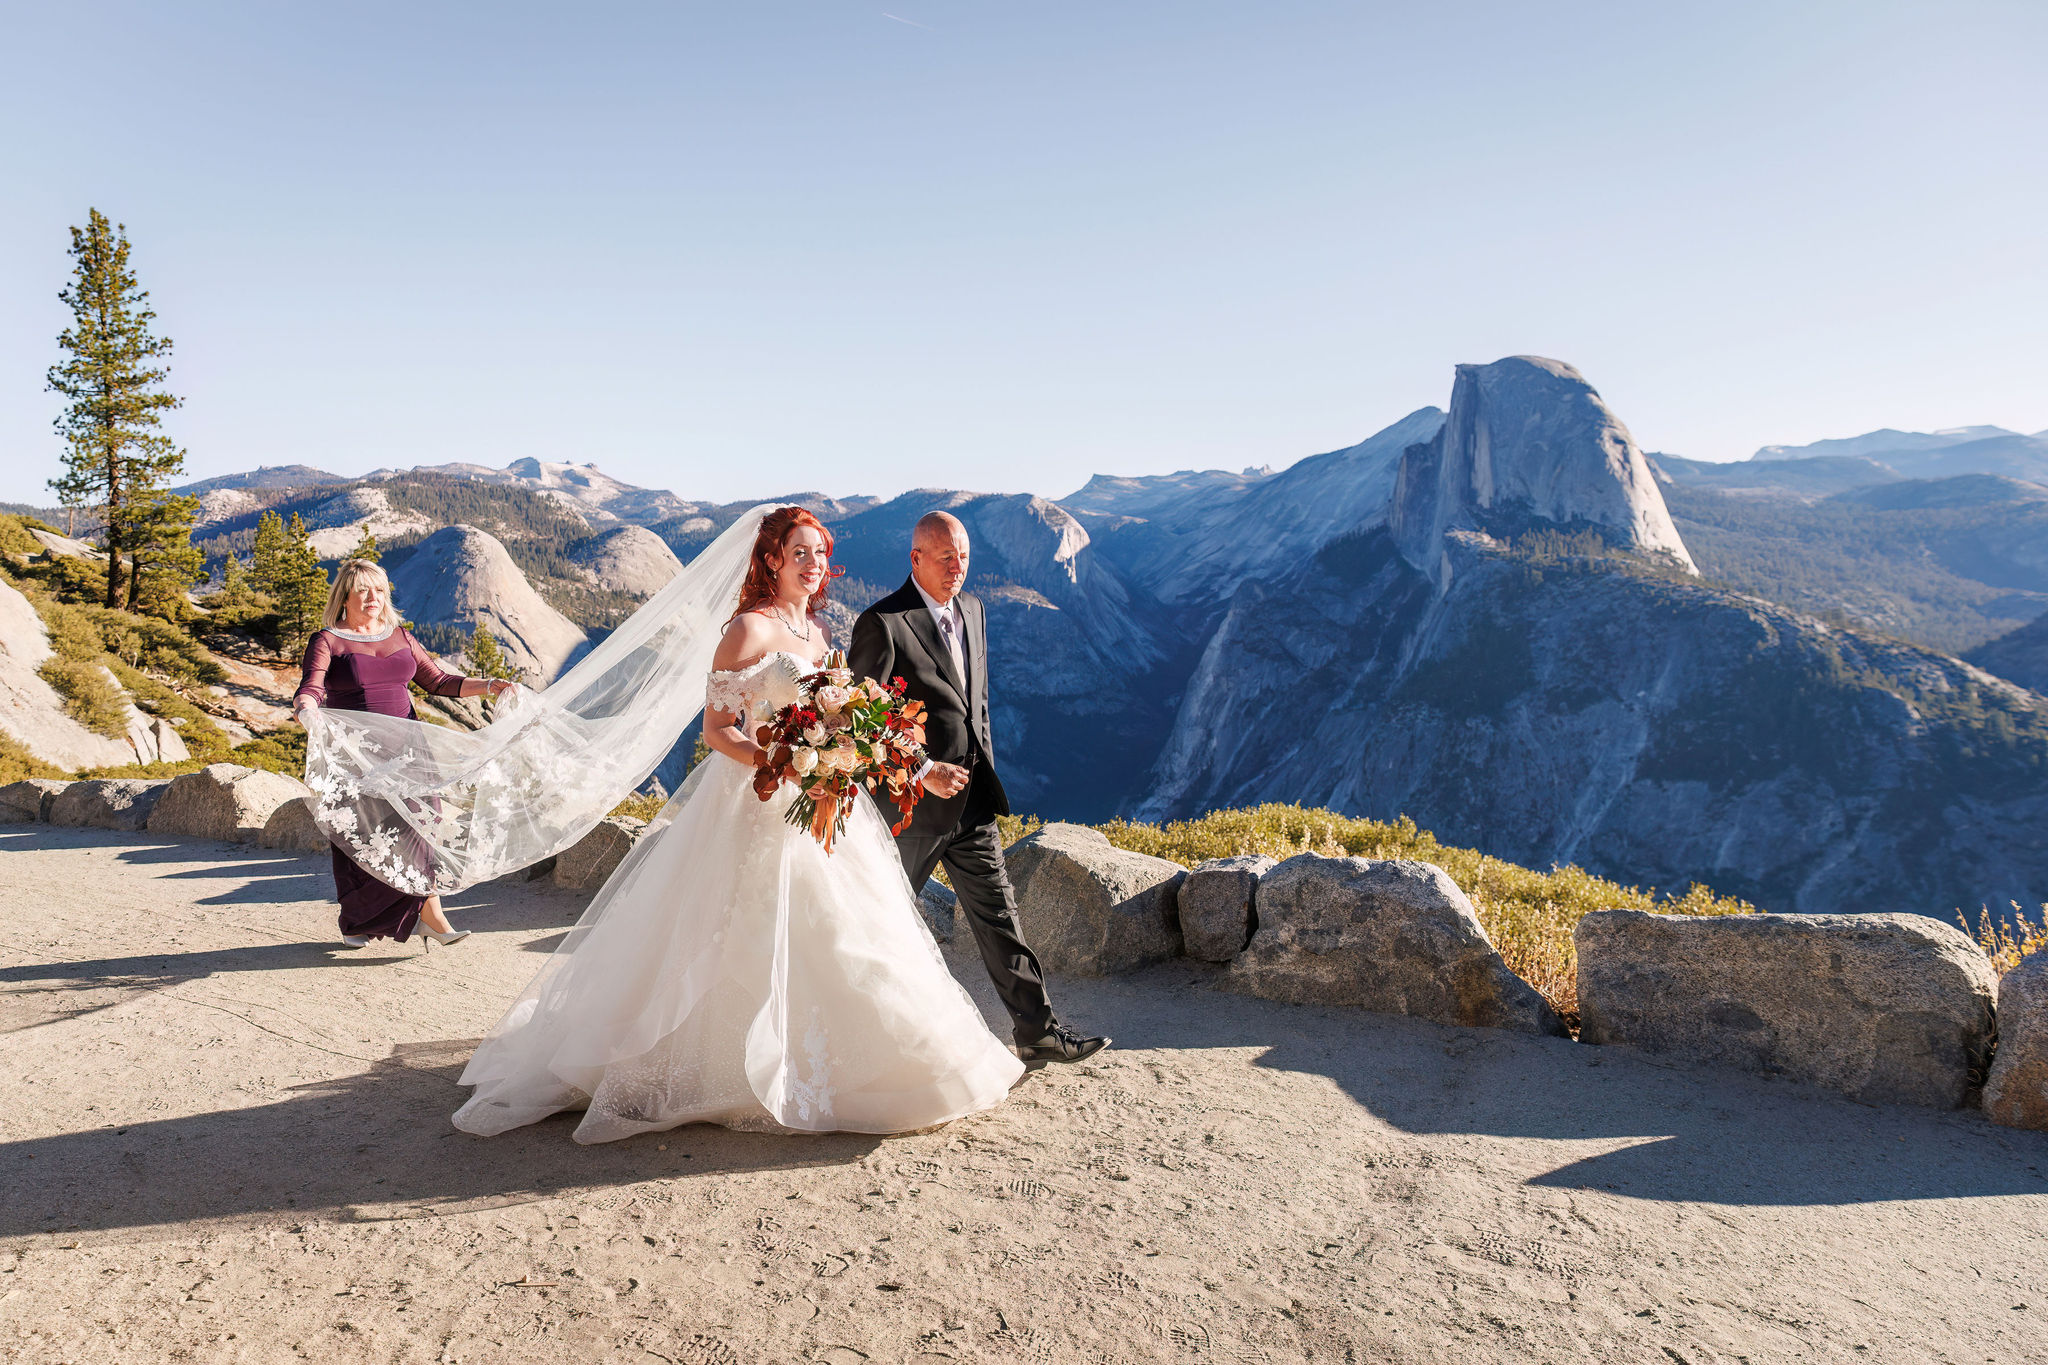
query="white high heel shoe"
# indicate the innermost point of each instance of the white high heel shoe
(454, 936)
(354, 941)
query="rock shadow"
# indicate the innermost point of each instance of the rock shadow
(1708, 1135)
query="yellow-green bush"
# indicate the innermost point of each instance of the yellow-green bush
(1529, 915)
(14, 536)
(17, 764)
(90, 697)
(640, 806)
(2005, 944)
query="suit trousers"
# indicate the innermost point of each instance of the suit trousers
(973, 858)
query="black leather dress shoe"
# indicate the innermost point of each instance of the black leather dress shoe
(1060, 1044)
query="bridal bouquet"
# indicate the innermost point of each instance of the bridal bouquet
(837, 736)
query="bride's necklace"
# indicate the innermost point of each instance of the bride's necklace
(805, 637)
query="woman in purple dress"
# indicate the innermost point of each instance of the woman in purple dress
(362, 661)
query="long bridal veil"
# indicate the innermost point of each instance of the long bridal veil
(426, 808)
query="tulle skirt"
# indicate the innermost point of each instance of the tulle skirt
(733, 972)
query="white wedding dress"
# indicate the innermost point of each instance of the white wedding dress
(733, 972)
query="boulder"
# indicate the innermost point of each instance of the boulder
(29, 800)
(154, 739)
(224, 801)
(1217, 910)
(940, 906)
(1394, 936)
(122, 803)
(2016, 1094)
(1090, 907)
(585, 864)
(290, 827)
(1885, 1008)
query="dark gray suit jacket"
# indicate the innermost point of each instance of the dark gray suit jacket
(897, 638)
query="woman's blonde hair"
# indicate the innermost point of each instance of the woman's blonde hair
(346, 579)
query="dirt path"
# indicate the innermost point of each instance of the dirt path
(224, 1139)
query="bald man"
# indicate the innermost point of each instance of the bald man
(935, 637)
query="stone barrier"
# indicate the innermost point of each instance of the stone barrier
(224, 801)
(1891, 1008)
(119, 803)
(2017, 1092)
(1089, 907)
(1394, 936)
(29, 800)
(290, 827)
(1217, 906)
(585, 864)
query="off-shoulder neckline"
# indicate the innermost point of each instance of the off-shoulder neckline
(810, 665)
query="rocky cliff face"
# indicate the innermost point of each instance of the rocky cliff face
(1589, 711)
(1528, 442)
(1195, 550)
(460, 576)
(1077, 650)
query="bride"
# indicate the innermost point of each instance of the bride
(731, 971)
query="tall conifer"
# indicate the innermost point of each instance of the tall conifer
(115, 457)
(287, 570)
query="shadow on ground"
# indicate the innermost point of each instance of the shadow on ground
(379, 1142)
(1707, 1136)
(376, 1145)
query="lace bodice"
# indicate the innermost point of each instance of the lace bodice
(761, 688)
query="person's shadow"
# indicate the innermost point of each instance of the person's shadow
(376, 1144)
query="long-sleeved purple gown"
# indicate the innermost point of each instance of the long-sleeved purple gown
(351, 672)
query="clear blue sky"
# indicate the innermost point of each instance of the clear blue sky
(740, 248)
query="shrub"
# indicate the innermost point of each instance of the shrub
(17, 764)
(1529, 915)
(2005, 944)
(14, 536)
(90, 697)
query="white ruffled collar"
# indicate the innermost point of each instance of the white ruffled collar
(360, 637)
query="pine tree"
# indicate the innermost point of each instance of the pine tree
(483, 658)
(366, 548)
(237, 589)
(163, 561)
(288, 571)
(114, 457)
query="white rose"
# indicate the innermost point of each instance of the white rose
(841, 677)
(804, 761)
(814, 733)
(834, 698)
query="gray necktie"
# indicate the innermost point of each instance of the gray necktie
(952, 634)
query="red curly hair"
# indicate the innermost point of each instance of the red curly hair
(776, 529)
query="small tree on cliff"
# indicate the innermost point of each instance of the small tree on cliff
(114, 455)
(484, 658)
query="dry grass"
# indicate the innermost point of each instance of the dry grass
(2005, 944)
(1529, 915)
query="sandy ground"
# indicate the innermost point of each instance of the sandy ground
(225, 1138)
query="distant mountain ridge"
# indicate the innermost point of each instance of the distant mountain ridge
(1489, 616)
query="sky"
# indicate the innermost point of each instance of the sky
(745, 248)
